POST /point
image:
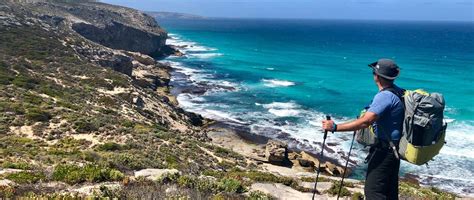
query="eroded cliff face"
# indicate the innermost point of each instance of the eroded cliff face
(111, 26)
(119, 36)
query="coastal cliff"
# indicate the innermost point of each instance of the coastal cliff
(86, 112)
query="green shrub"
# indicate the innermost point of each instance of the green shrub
(141, 128)
(33, 99)
(73, 174)
(6, 76)
(415, 191)
(69, 105)
(357, 196)
(107, 101)
(226, 153)
(17, 108)
(259, 195)
(133, 161)
(128, 124)
(25, 82)
(111, 146)
(312, 179)
(231, 185)
(17, 165)
(85, 126)
(172, 161)
(335, 189)
(37, 115)
(90, 156)
(25, 177)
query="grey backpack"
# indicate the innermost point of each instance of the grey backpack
(423, 127)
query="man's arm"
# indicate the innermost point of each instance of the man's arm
(363, 122)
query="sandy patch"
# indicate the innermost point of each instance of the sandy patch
(117, 90)
(23, 130)
(228, 139)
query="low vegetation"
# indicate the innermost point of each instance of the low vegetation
(411, 190)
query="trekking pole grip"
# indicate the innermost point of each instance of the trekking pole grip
(326, 132)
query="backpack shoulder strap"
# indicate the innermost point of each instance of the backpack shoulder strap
(387, 137)
(395, 92)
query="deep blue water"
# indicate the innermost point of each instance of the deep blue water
(280, 77)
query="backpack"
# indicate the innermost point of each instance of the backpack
(366, 136)
(423, 132)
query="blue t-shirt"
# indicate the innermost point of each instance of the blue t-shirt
(390, 111)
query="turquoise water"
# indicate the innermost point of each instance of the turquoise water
(280, 77)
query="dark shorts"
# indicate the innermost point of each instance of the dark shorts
(382, 175)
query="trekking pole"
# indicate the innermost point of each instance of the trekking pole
(345, 168)
(319, 164)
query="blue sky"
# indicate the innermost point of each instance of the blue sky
(432, 10)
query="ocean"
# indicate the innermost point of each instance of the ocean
(281, 77)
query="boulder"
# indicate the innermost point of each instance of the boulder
(293, 155)
(276, 151)
(155, 174)
(305, 163)
(143, 59)
(138, 101)
(330, 168)
(118, 63)
(340, 171)
(307, 156)
(194, 119)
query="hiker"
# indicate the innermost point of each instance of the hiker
(385, 114)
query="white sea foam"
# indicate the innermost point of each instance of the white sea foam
(187, 46)
(270, 68)
(459, 140)
(281, 105)
(284, 112)
(205, 55)
(277, 83)
(283, 109)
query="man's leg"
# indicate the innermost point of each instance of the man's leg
(376, 181)
(393, 185)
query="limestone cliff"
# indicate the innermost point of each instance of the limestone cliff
(112, 26)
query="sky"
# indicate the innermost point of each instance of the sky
(424, 10)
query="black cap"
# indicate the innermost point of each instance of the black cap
(386, 68)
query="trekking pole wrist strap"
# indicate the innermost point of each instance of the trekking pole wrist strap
(334, 127)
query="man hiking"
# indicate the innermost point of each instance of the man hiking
(385, 114)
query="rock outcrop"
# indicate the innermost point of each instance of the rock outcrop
(111, 26)
(276, 151)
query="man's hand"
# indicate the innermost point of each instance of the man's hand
(363, 122)
(328, 125)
